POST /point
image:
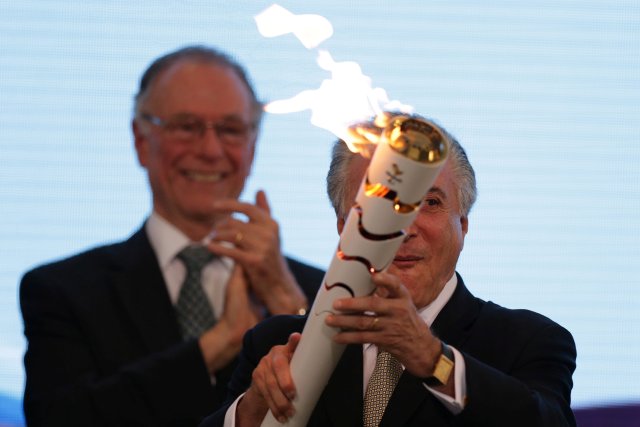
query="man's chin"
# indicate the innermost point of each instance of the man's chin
(404, 272)
(198, 215)
(209, 218)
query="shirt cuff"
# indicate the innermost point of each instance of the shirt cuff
(230, 415)
(457, 404)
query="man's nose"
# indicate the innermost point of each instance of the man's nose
(410, 232)
(210, 143)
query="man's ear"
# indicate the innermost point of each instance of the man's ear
(464, 226)
(340, 224)
(141, 143)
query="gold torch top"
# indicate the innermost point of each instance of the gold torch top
(416, 139)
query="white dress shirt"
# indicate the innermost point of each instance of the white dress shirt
(429, 313)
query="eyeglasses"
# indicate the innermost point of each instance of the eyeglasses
(189, 128)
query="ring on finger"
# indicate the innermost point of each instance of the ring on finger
(375, 321)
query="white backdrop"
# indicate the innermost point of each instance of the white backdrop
(545, 96)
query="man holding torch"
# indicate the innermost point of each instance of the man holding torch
(421, 349)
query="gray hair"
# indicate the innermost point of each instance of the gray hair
(341, 157)
(196, 53)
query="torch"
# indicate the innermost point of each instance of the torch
(409, 155)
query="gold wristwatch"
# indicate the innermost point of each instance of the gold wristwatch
(443, 368)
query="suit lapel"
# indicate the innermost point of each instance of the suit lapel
(410, 396)
(456, 318)
(142, 290)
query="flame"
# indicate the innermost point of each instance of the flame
(376, 190)
(342, 101)
(311, 30)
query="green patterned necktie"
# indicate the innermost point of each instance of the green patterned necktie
(193, 310)
(383, 380)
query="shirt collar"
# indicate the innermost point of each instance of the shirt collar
(431, 311)
(167, 241)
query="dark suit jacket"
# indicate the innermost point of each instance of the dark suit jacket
(104, 348)
(518, 371)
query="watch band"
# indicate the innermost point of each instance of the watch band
(442, 369)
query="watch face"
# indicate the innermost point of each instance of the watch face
(442, 370)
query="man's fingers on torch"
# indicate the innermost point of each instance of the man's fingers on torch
(381, 292)
(293, 341)
(353, 323)
(283, 375)
(259, 384)
(387, 285)
(269, 387)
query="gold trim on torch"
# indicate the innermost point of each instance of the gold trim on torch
(416, 139)
(379, 190)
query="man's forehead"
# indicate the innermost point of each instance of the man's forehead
(186, 66)
(190, 86)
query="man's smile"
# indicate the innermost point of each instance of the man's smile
(204, 176)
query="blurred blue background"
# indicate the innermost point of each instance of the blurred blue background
(545, 96)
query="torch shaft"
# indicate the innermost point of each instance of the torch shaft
(387, 202)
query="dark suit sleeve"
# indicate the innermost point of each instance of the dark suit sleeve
(66, 386)
(532, 389)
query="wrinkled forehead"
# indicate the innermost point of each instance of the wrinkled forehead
(445, 180)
